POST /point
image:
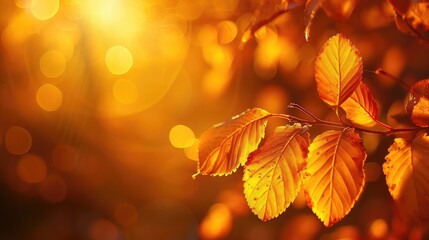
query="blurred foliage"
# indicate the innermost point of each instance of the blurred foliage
(101, 103)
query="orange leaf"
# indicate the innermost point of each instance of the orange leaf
(400, 6)
(417, 104)
(311, 7)
(224, 147)
(272, 176)
(334, 176)
(406, 169)
(361, 107)
(338, 70)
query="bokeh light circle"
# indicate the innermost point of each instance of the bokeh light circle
(181, 136)
(49, 97)
(52, 64)
(18, 140)
(118, 60)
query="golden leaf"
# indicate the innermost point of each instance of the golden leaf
(361, 107)
(417, 103)
(406, 169)
(224, 147)
(338, 70)
(272, 176)
(412, 18)
(311, 7)
(334, 176)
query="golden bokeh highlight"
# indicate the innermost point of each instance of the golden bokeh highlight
(18, 140)
(102, 229)
(44, 9)
(64, 157)
(379, 229)
(227, 31)
(52, 64)
(181, 136)
(370, 142)
(273, 98)
(118, 60)
(49, 97)
(126, 214)
(53, 189)
(191, 152)
(31, 169)
(217, 223)
(125, 91)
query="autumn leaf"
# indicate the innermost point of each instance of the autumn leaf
(311, 7)
(361, 107)
(417, 104)
(334, 176)
(272, 176)
(406, 169)
(224, 147)
(400, 6)
(338, 70)
(415, 20)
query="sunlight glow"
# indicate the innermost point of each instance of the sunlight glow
(125, 91)
(217, 223)
(181, 136)
(44, 9)
(118, 60)
(49, 97)
(52, 64)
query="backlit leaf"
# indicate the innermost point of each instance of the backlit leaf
(224, 147)
(361, 107)
(414, 21)
(334, 176)
(400, 6)
(406, 169)
(338, 70)
(417, 103)
(272, 176)
(311, 7)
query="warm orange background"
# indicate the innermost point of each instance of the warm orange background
(101, 103)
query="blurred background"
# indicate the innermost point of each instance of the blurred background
(102, 103)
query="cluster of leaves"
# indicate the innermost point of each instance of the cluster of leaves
(411, 16)
(330, 168)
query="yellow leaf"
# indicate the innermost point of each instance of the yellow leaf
(272, 176)
(361, 107)
(406, 169)
(334, 176)
(311, 7)
(224, 147)
(338, 70)
(417, 104)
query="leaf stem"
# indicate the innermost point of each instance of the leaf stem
(318, 121)
(383, 73)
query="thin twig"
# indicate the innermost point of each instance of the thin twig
(254, 27)
(381, 72)
(318, 121)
